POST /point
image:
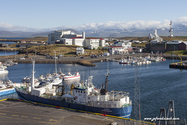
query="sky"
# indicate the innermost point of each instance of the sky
(50, 14)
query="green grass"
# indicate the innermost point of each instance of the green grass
(38, 38)
(177, 52)
(66, 50)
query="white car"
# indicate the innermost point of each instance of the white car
(22, 58)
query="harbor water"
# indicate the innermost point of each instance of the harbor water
(158, 83)
(7, 53)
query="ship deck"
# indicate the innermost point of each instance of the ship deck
(13, 112)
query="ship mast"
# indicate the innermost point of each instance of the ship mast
(55, 64)
(32, 83)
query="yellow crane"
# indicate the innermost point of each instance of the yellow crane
(72, 86)
(181, 60)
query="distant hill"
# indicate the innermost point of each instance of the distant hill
(180, 30)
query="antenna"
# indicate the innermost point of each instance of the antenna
(171, 30)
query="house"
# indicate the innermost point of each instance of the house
(117, 50)
(79, 50)
(120, 47)
(3, 45)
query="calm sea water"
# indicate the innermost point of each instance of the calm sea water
(158, 83)
(7, 53)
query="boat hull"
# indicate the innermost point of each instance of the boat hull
(122, 62)
(120, 112)
(71, 77)
(7, 91)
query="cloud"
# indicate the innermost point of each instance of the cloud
(181, 21)
(131, 25)
(10, 27)
(126, 25)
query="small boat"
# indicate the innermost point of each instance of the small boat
(123, 61)
(69, 76)
(3, 71)
(6, 87)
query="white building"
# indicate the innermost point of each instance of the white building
(70, 38)
(125, 45)
(79, 50)
(120, 48)
(117, 50)
(60, 35)
(155, 38)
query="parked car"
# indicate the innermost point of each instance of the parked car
(47, 56)
(59, 56)
(22, 58)
(53, 57)
(92, 56)
(106, 54)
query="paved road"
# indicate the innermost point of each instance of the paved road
(22, 113)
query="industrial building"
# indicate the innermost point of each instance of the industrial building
(70, 38)
(166, 46)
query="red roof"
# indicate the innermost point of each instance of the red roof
(76, 38)
(92, 38)
(115, 46)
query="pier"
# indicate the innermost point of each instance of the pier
(87, 60)
(179, 65)
(19, 112)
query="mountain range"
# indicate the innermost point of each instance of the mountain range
(179, 29)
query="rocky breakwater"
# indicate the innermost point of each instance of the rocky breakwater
(80, 62)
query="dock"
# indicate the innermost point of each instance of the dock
(178, 65)
(14, 112)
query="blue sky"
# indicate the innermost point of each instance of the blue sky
(46, 14)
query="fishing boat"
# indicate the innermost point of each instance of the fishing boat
(84, 96)
(3, 70)
(6, 87)
(69, 76)
(123, 61)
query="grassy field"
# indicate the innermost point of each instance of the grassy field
(70, 50)
(66, 50)
(177, 52)
(38, 38)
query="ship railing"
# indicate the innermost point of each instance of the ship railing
(118, 93)
(105, 104)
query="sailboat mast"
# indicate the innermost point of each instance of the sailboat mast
(55, 64)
